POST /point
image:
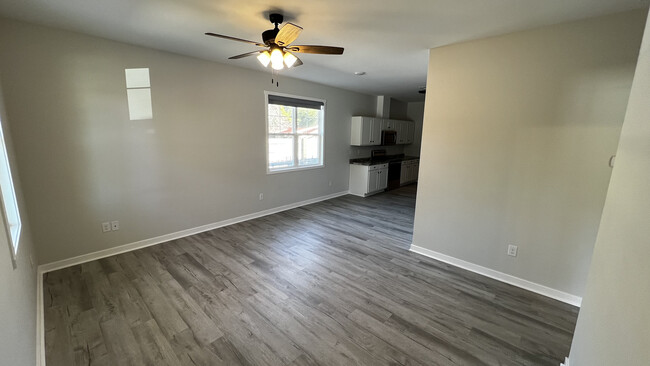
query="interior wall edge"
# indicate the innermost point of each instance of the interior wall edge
(40, 320)
(500, 276)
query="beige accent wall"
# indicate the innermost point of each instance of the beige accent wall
(614, 322)
(200, 160)
(518, 131)
(17, 284)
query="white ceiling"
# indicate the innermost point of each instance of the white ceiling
(388, 40)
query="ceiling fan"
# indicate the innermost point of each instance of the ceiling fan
(277, 41)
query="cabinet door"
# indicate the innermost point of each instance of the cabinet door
(375, 131)
(366, 136)
(382, 179)
(407, 171)
(416, 169)
(356, 131)
(397, 125)
(373, 180)
(365, 131)
(387, 124)
(410, 132)
(403, 174)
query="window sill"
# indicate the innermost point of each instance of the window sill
(294, 169)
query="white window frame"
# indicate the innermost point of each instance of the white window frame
(10, 212)
(296, 167)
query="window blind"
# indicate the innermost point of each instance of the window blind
(293, 102)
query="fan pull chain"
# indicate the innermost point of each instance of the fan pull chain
(275, 81)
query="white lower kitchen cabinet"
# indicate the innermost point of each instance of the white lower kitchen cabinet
(409, 172)
(368, 179)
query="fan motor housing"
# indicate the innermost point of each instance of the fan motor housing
(269, 36)
(276, 18)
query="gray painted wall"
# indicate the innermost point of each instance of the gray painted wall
(17, 285)
(200, 160)
(614, 323)
(518, 131)
(398, 109)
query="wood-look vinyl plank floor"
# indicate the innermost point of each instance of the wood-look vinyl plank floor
(331, 283)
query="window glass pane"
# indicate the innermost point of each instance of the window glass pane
(137, 78)
(280, 151)
(9, 196)
(308, 120)
(274, 110)
(309, 150)
(139, 101)
(280, 119)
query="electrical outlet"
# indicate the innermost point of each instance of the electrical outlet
(512, 250)
(106, 227)
(115, 225)
(330, 183)
(261, 196)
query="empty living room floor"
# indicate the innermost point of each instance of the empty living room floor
(332, 283)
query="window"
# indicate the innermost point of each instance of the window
(294, 129)
(9, 202)
(138, 94)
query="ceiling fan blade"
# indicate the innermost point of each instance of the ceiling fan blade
(244, 55)
(287, 34)
(235, 39)
(323, 50)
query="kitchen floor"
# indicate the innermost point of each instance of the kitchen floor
(331, 283)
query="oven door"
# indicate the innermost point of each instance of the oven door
(394, 174)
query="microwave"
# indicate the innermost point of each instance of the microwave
(388, 137)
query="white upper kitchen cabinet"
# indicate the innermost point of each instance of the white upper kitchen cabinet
(405, 131)
(401, 128)
(365, 131)
(410, 132)
(388, 124)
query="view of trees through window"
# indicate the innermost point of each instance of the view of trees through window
(294, 136)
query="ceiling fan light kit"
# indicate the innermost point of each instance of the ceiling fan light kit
(277, 42)
(289, 59)
(264, 58)
(277, 59)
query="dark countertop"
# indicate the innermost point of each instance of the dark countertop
(382, 160)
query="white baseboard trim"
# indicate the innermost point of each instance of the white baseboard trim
(566, 362)
(53, 266)
(500, 276)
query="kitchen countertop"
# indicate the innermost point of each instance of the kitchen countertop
(382, 160)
